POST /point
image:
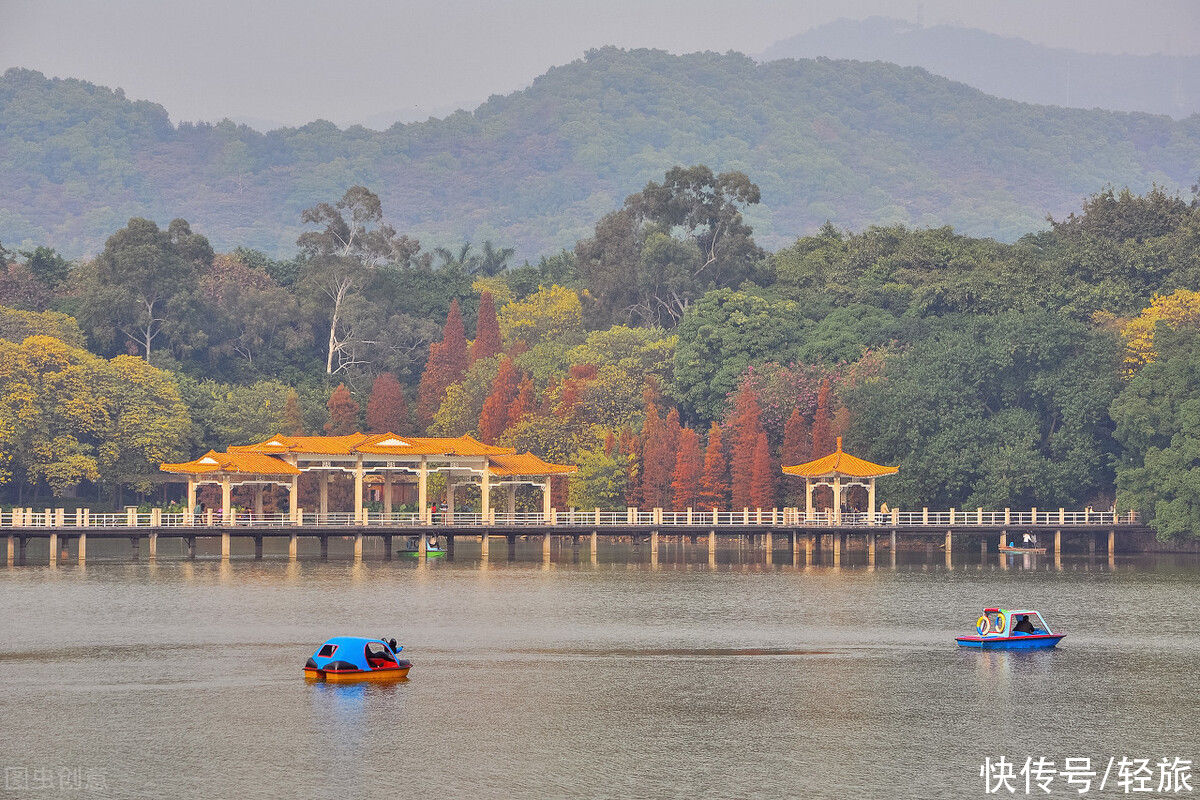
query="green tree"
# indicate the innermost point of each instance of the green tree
(724, 334)
(1157, 419)
(997, 411)
(341, 259)
(141, 284)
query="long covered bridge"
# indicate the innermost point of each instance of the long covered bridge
(381, 463)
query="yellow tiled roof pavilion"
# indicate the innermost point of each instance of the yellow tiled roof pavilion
(840, 463)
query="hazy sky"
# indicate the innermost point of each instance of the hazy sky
(359, 61)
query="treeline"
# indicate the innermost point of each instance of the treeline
(667, 354)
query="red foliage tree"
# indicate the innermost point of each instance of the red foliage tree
(387, 410)
(762, 485)
(746, 425)
(822, 427)
(343, 412)
(655, 479)
(446, 365)
(631, 448)
(487, 329)
(796, 445)
(524, 405)
(292, 423)
(714, 486)
(494, 417)
(689, 466)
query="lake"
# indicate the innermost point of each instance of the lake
(574, 679)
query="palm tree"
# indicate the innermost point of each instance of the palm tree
(494, 259)
(462, 260)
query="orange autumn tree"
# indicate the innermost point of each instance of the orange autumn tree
(487, 329)
(762, 486)
(745, 427)
(524, 405)
(689, 466)
(292, 423)
(822, 428)
(387, 411)
(493, 420)
(795, 449)
(714, 489)
(446, 364)
(343, 412)
(654, 478)
(796, 446)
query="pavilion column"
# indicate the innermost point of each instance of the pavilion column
(387, 494)
(871, 501)
(258, 500)
(808, 500)
(837, 499)
(324, 495)
(226, 500)
(294, 498)
(450, 498)
(191, 500)
(485, 493)
(358, 490)
(512, 499)
(546, 510)
(423, 490)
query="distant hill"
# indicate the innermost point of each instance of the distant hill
(1010, 67)
(855, 143)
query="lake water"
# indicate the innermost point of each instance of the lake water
(617, 679)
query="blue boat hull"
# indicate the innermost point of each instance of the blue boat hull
(1036, 642)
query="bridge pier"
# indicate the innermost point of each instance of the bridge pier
(483, 545)
(358, 546)
(82, 555)
(53, 547)
(387, 547)
(293, 546)
(135, 547)
(595, 543)
(871, 549)
(153, 546)
(769, 547)
(226, 546)
(949, 549)
(12, 549)
(1112, 546)
(983, 549)
(1058, 544)
(512, 547)
(1092, 545)
(258, 548)
(190, 544)
(324, 548)
(837, 550)
(546, 547)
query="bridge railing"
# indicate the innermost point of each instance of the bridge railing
(571, 518)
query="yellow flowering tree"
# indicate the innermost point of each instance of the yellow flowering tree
(1181, 308)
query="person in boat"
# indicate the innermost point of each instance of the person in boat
(392, 644)
(1023, 625)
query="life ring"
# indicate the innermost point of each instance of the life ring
(1001, 622)
(983, 625)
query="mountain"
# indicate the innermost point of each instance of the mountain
(851, 142)
(1010, 67)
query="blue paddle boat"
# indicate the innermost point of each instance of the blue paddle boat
(349, 659)
(1004, 629)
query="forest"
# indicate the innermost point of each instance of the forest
(668, 354)
(854, 143)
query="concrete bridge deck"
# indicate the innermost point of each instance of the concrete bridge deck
(760, 527)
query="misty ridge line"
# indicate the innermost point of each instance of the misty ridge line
(850, 142)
